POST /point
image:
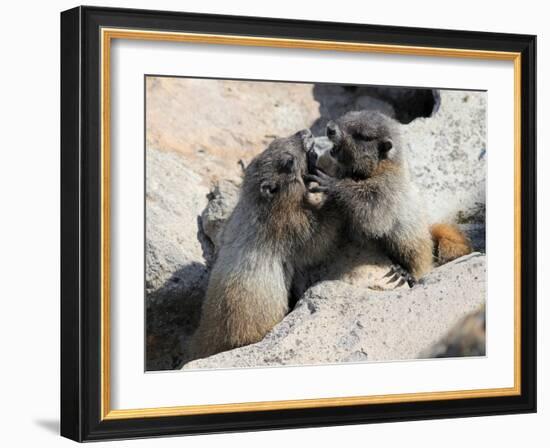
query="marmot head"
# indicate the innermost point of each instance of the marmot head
(361, 141)
(277, 173)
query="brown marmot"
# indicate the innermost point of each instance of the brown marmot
(365, 174)
(275, 230)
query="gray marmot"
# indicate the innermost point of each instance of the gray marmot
(275, 230)
(366, 175)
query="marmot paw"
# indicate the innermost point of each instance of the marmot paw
(312, 161)
(324, 182)
(397, 272)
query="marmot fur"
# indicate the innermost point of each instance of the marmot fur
(366, 176)
(274, 231)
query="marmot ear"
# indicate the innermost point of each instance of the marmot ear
(385, 145)
(268, 189)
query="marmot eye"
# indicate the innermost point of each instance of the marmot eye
(287, 164)
(363, 138)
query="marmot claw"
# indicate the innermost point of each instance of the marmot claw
(397, 272)
(324, 181)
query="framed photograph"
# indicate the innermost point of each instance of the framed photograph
(276, 224)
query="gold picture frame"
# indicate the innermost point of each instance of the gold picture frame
(106, 31)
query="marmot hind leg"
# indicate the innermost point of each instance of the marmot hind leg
(410, 261)
(450, 242)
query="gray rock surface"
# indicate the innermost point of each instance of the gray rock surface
(175, 198)
(216, 124)
(466, 338)
(447, 154)
(337, 322)
(176, 273)
(221, 201)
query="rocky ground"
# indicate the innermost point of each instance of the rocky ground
(201, 133)
(336, 321)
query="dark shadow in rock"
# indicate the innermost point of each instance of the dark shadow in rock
(172, 316)
(476, 233)
(404, 104)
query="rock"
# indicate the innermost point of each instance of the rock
(221, 201)
(234, 120)
(174, 200)
(476, 234)
(337, 322)
(467, 338)
(447, 154)
(216, 124)
(402, 104)
(176, 272)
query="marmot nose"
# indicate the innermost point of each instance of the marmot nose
(331, 129)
